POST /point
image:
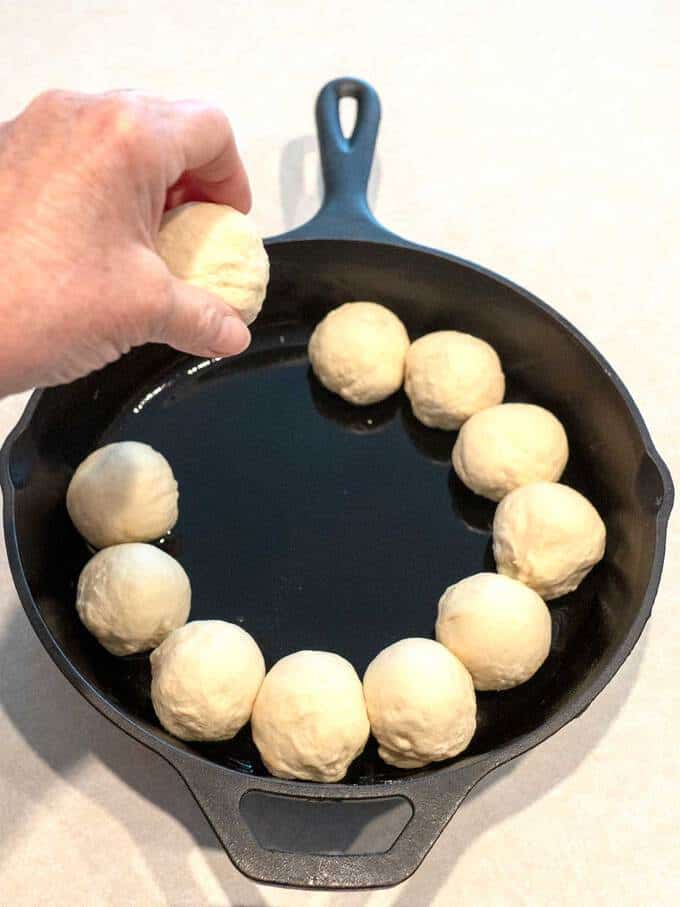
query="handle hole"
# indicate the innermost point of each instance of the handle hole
(324, 827)
(347, 113)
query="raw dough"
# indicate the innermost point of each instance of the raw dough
(450, 376)
(123, 492)
(309, 719)
(547, 536)
(131, 596)
(219, 249)
(503, 447)
(498, 627)
(204, 680)
(358, 351)
(421, 703)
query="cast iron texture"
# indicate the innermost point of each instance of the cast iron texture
(319, 525)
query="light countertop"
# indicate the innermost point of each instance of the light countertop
(538, 139)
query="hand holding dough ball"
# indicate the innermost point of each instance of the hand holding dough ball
(450, 376)
(498, 627)
(309, 719)
(421, 703)
(132, 596)
(204, 680)
(548, 536)
(358, 351)
(505, 446)
(219, 249)
(123, 492)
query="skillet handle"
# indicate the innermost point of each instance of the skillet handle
(346, 163)
(322, 835)
(346, 167)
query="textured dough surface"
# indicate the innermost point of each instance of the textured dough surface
(309, 720)
(219, 249)
(131, 596)
(499, 628)
(450, 376)
(421, 703)
(123, 492)
(505, 446)
(358, 351)
(204, 680)
(548, 536)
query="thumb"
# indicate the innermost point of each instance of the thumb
(200, 323)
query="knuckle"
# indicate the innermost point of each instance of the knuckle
(221, 124)
(211, 116)
(122, 126)
(50, 103)
(120, 117)
(53, 97)
(220, 119)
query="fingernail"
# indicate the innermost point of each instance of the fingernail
(234, 337)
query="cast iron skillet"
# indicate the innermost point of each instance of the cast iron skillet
(318, 525)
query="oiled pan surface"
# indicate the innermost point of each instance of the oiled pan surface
(314, 524)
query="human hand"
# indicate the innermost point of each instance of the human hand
(84, 181)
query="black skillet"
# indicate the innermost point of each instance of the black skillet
(317, 525)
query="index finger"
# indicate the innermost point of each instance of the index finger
(210, 166)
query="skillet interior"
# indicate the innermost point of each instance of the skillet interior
(315, 524)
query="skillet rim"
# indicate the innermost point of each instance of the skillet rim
(485, 762)
(435, 793)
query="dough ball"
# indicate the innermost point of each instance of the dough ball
(450, 376)
(131, 596)
(309, 719)
(204, 680)
(358, 351)
(421, 703)
(503, 447)
(219, 249)
(123, 492)
(498, 627)
(547, 536)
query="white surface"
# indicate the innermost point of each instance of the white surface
(540, 139)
